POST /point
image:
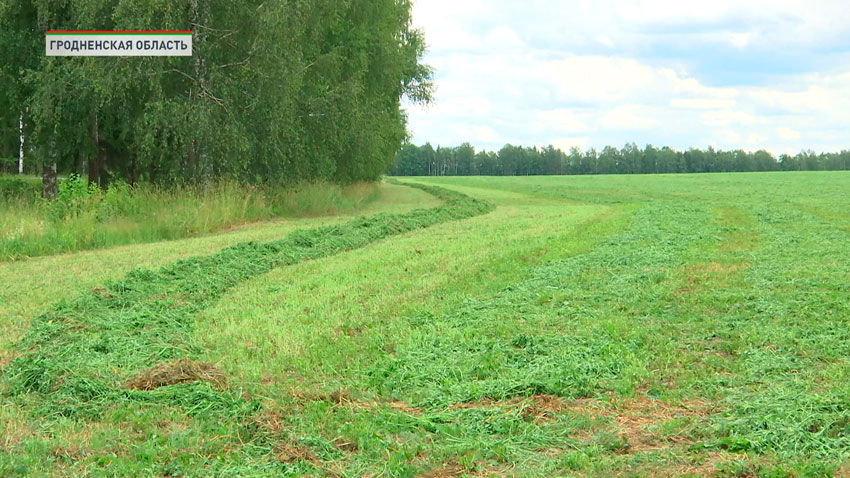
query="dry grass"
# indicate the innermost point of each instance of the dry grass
(637, 418)
(443, 471)
(537, 408)
(181, 371)
(290, 452)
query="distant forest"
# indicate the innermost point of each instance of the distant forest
(513, 160)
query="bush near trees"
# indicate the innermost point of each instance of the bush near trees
(276, 91)
(513, 160)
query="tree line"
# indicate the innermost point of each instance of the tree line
(512, 160)
(278, 90)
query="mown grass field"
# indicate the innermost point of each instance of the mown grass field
(683, 325)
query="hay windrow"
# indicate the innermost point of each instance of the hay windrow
(183, 370)
(74, 353)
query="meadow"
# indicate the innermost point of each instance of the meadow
(593, 326)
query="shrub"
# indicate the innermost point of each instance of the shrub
(73, 198)
(14, 187)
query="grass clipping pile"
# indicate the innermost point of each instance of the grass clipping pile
(181, 371)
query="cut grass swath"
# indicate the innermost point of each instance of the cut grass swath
(76, 357)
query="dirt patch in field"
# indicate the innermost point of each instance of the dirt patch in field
(6, 358)
(101, 292)
(290, 452)
(399, 407)
(344, 398)
(702, 465)
(538, 408)
(69, 453)
(715, 267)
(492, 473)
(180, 371)
(346, 445)
(634, 427)
(15, 431)
(452, 469)
(444, 471)
(269, 420)
(339, 397)
(636, 421)
(636, 418)
(708, 274)
(286, 450)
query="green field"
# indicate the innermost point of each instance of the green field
(664, 325)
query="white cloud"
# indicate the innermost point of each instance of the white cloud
(727, 117)
(787, 134)
(464, 106)
(740, 40)
(703, 103)
(605, 41)
(749, 141)
(756, 139)
(503, 37)
(630, 117)
(600, 79)
(565, 120)
(484, 134)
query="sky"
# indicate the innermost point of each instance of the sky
(756, 74)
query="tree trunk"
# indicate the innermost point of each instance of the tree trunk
(97, 164)
(102, 173)
(94, 170)
(4, 155)
(192, 162)
(134, 171)
(48, 181)
(194, 154)
(97, 168)
(152, 172)
(21, 148)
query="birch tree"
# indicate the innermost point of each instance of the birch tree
(276, 90)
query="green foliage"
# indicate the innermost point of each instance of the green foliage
(8, 164)
(274, 92)
(73, 198)
(12, 187)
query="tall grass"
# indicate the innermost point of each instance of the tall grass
(85, 217)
